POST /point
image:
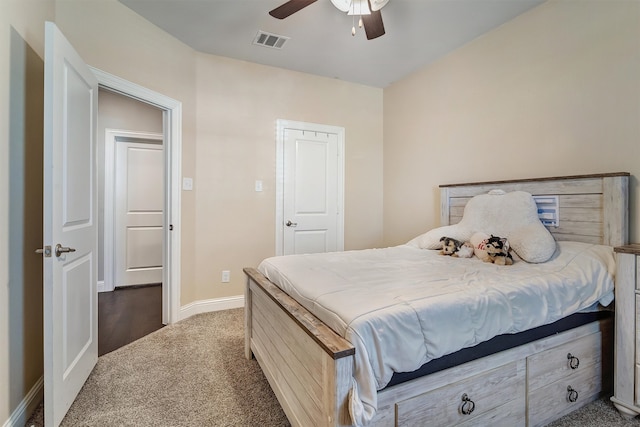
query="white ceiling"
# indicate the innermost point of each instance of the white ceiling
(417, 33)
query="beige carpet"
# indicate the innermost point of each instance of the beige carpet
(194, 373)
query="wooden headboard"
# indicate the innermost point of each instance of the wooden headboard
(593, 208)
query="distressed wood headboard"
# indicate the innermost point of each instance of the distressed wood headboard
(592, 208)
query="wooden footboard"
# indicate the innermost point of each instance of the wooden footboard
(309, 367)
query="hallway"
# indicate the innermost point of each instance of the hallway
(127, 314)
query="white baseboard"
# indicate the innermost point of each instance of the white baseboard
(208, 305)
(102, 287)
(26, 407)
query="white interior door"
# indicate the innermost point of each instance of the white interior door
(139, 195)
(70, 204)
(312, 192)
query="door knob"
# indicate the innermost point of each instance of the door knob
(46, 251)
(291, 224)
(62, 249)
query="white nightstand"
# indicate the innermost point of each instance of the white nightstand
(627, 336)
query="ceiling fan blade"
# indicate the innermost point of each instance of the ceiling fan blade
(373, 25)
(289, 8)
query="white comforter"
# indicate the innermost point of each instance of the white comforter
(401, 307)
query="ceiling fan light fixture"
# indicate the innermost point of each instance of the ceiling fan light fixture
(353, 7)
(368, 11)
(342, 5)
(359, 8)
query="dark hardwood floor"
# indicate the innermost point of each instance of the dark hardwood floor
(127, 314)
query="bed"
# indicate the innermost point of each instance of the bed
(313, 370)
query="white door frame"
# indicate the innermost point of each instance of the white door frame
(172, 131)
(281, 125)
(110, 139)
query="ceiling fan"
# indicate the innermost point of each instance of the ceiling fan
(369, 11)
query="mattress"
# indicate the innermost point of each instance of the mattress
(501, 343)
(402, 307)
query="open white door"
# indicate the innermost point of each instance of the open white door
(70, 204)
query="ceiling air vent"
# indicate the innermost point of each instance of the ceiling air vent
(270, 40)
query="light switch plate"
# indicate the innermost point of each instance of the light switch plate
(187, 184)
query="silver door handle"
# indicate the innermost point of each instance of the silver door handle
(291, 224)
(62, 249)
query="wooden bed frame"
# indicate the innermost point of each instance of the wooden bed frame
(309, 367)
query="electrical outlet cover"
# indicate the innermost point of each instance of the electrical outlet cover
(226, 276)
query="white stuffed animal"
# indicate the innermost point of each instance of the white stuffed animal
(465, 251)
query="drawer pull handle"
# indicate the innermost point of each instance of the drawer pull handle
(467, 405)
(572, 395)
(574, 362)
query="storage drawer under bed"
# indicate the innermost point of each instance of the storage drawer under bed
(534, 390)
(572, 373)
(558, 362)
(563, 396)
(495, 397)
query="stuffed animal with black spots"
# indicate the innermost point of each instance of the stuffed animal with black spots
(492, 249)
(450, 246)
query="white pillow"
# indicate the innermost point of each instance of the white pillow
(512, 215)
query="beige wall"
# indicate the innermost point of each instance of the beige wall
(21, 111)
(554, 92)
(238, 105)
